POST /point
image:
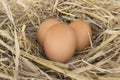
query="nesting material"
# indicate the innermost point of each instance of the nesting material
(22, 58)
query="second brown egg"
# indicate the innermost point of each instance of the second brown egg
(83, 34)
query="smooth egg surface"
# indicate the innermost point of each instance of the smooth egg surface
(83, 34)
(43, 28)
(60, 43)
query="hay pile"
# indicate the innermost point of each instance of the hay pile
(22, 58)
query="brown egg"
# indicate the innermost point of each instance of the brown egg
(60, 43)
(83, 34)
(44, 26)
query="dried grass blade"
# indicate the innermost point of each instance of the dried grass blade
(3, 59)
(5, 45)
(2, 51)
(108, 78)
(6, 76)
(3, 22)
(17, 55)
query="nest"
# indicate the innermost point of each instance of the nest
(22, 58)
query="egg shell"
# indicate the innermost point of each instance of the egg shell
(44, 26)
(83, 34)
(60, 43)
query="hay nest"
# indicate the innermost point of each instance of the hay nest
(22, 58)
